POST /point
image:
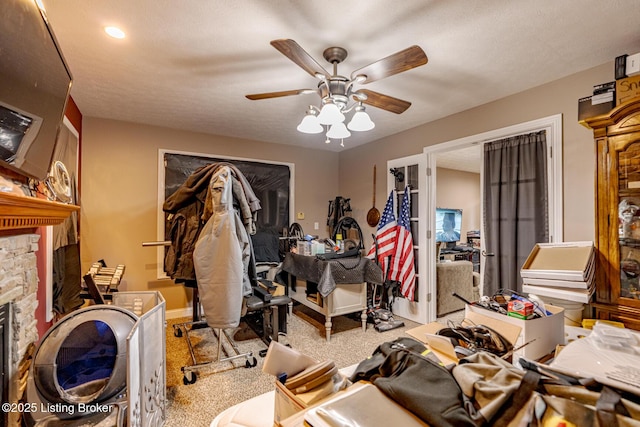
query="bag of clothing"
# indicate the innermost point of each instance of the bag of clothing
(402, 370)
(477, 338)
(500, 394)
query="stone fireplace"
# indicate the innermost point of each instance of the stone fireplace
(18, 295)
(19, 218)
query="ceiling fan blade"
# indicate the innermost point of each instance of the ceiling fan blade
(299, 56)
(384, 102)
(404, 60)
(267, 95)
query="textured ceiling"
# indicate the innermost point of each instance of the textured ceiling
(188, 64)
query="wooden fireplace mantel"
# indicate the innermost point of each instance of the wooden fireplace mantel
(19, 212)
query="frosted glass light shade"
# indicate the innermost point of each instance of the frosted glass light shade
(330, 114)
(310, 124)
(361, 122)
(337, 131)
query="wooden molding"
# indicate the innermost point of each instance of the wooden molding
(18, 212)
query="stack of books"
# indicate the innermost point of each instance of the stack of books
(561, 270)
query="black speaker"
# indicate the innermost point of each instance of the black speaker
(621, 67)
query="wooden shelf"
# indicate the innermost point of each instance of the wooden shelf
(17, 212)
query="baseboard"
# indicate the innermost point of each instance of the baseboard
(179, 312)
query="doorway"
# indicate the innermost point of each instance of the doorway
(466, 154)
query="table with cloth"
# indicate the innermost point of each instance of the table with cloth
(340, 283)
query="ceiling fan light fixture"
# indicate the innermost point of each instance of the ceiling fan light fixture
(338, 131)
(330, 114)
(337, 92)
(361, 121)
(310, 123)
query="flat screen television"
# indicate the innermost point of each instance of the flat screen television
(34, 87)
(448, 224)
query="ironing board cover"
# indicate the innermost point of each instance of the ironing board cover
(221, 257)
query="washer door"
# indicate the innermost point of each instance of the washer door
(82, 359)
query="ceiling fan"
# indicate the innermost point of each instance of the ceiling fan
(337, 91)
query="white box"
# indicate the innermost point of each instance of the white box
(633, 65)
(562, 261)
(567, 284)
(543, 334)
(568, 294)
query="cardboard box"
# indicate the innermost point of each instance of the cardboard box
(571, 261)
(523, 309)
(541, 334)
(286, 404)
(427, 333)
(604, 88)
(627, 89)
(422, 332)
(588, 107)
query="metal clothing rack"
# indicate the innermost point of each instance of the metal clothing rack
(183, 329)
(189, 371)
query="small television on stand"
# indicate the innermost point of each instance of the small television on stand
(448, 226)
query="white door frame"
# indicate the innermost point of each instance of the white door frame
(553, 127)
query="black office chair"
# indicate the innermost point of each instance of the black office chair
(272, 319)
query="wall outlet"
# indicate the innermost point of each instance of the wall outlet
(316, 226)
(300, 215)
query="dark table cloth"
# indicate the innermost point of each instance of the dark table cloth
(328, 273)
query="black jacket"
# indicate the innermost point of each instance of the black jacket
(188, 214)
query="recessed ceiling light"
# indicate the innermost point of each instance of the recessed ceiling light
(114, 32)
(40, 5)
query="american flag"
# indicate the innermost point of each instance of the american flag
(402, 265)
(385, 236)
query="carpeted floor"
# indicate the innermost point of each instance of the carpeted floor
(220, 386)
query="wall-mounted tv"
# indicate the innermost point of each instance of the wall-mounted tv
(448, 224)
(34, 88)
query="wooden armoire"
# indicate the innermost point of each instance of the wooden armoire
(617, 139)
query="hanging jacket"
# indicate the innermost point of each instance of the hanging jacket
(221, 257)
(183, 227)
(189, 208)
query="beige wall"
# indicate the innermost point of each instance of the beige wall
(119, 173)
(560, 96)
(120, 192)
(460, 190)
